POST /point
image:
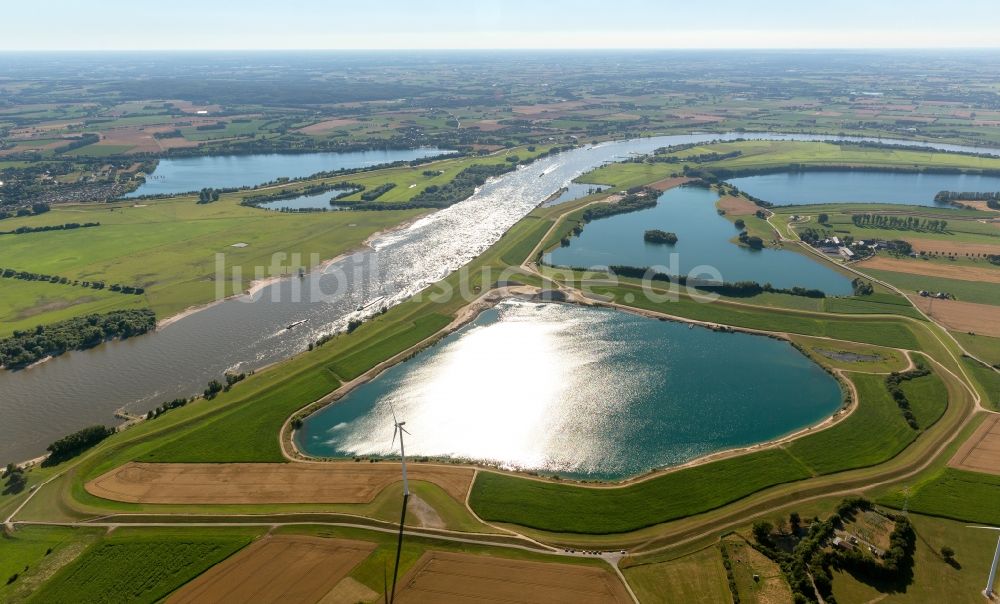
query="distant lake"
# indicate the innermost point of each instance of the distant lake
(580, 392)
(186, 174)
(320, 201)
(703, 240)
(800, 188)
(574, 190)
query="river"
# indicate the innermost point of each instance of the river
(82, 388)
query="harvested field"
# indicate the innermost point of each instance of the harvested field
(979, 205)
(327, 125)
(669, 183)
(487, 125)
(981, 319)
(460, 578)
(285, 568)
(737, 206)
(981, 453)
(954, 247)
(249, 483)
(541, 108)
(933, 269)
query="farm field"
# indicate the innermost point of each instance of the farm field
(967, 317)
(696, 577)
(215, 484)
(287, 568)
(758, 579)
(455, 578)
(984, 273)
(141, 565)
(964, 291)
(981, 453)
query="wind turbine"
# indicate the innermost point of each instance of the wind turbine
(988, 592)
(397, 428)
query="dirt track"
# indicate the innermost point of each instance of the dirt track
(285, 568)
(933, 269)
(982, 319)
(981, 453)
(257, 483)
(450, 578)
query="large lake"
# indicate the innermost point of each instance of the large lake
(187, 174)
(79, 389)
(856, 186)
(579, 392)
(703, 241)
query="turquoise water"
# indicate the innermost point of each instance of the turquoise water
(703, 245)
(187, 174)
(579, 392)
(798, 188)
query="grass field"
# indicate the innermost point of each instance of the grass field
(697, 577)
(984, 347)
(865, 358)
(34, 554)
(988, 378)
(25, 304)
(966, 291)
(956, 494)
(169, 247)
(141, 565)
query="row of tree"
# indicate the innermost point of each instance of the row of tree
(69, 226)
(26, 347)
(378, 191)
(950, 196)
(77, 442)
(894, 384)
(900, 223)
(10, 273)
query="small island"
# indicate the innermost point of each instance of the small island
(658, 236)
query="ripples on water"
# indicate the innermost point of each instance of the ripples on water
(580, 392)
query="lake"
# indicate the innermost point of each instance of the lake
(572, 191)
(319, 201)
(703, 240)
(580, 392)
(186, 174)
(799, 188)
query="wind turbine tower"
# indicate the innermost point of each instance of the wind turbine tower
(397, 428)
(988, 591)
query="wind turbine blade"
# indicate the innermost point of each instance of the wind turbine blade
(394, 430)
(393, 410)
(402, 429)
(989, 528)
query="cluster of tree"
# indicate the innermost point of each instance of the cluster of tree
(175, 133)
(432, 173)
(76, 143)
(373, 194)
(69, 226)
(737, 289)
(232, 379)
(35, 209)
(208, 195)
(894, 384)
(26, 347)
(900, 223)
(808, 565)
(751, 241)
(636, 198)
(77, 442)
(167, 406)
(951, 196)
(697, 159)
(728, 565)
(658, 236)
(898, 247)
(9, 273)
(993, 259)
(862, 287)
(16, 480)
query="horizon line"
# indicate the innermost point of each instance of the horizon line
(514, 49)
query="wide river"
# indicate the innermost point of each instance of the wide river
(77, 389)
(579, 392)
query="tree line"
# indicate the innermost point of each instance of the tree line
(9, 273)
(636, 198)
(992, 199)
(899, 223)
(894, 382)
(79, 333)
(736, 289)
(77, 442)
(69, 226)
(378, 191)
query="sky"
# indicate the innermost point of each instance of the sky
(520, 24)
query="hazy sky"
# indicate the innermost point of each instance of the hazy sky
(318, 24)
